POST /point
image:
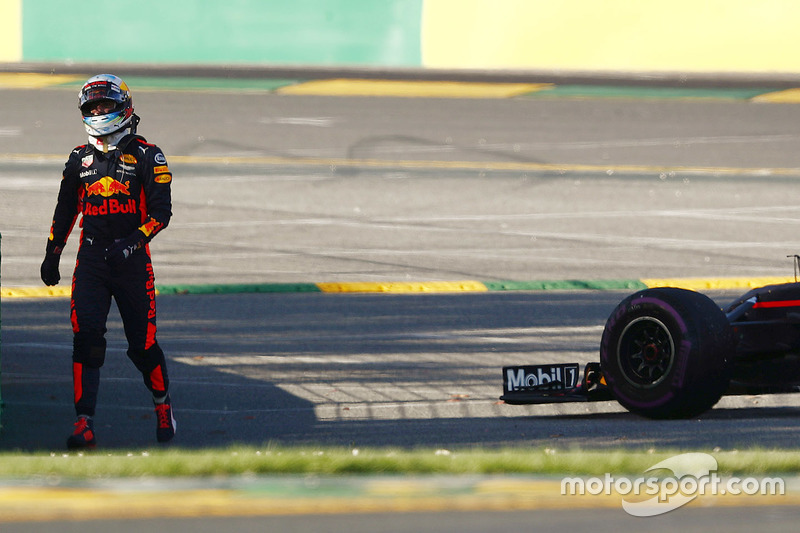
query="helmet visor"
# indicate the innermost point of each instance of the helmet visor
(101, 106)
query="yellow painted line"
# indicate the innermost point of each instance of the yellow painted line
(426, 164)
(402, 88)
(36, 504)
(701, 284)
(404, 287)
(22, 504)
(28, 80)
(35, 292)
(788, 96)
(25, 504)
(39, 292)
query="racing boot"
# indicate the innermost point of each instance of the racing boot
(165, 421)
(83, 436)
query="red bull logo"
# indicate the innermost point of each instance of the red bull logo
(109, 207)
(150, 226)
(105, 187)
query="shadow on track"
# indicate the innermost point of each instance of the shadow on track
(237, 360)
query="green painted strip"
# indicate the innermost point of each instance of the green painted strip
(238, 288)
(565, 285)
(652, 93)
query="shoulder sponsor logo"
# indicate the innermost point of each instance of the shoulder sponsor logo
(128, 158)
(87, 161)
(163, 178)
(161, 169)
(160, 159)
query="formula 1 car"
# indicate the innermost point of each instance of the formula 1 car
(673, 353)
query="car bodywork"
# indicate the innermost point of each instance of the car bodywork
(672, 353)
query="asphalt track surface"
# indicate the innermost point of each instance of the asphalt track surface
(286, 188)
(314, 188)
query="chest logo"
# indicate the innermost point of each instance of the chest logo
(105, 187)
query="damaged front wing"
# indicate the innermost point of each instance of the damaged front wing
(554, 383)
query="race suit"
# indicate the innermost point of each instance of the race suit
(124, 197)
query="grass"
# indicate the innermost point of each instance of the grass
(274, 460)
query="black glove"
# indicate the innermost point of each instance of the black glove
(121, 250)
(49, 270)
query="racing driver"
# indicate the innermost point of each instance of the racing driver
(120, 185)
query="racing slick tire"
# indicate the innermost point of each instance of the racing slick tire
(667, 353)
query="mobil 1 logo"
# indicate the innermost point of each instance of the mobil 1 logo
(554, 377)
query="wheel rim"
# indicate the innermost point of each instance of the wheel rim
(646, 352)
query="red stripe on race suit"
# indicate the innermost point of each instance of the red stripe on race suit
(77, 381)
(157, 379)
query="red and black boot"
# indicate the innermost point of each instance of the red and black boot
(83, 437)
(165, 421)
